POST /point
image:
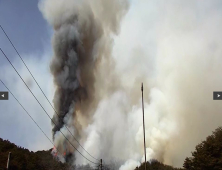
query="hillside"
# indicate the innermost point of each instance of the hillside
(207, 156)
(42, 160)
(155, 165)
(22, 158)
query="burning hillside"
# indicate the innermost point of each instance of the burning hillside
(103, 50)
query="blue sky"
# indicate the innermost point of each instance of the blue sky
(30, 33)
(24, 23)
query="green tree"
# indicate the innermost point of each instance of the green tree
(207, 154)
(155, 165)
(23, 159)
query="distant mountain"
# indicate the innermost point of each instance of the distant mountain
(23, 159)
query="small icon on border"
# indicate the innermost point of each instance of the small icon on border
(3, 95)
(217, 95)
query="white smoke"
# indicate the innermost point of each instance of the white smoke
(174, 47)
(130, 164)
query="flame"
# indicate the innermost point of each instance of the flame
(54, 151)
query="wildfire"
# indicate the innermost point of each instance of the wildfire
(54, 152)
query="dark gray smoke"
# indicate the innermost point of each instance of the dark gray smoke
(73, 68)
(174, 47)
(82, 44)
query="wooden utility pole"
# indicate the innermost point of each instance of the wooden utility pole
(101, 164)
(143, 126)
(8, 162)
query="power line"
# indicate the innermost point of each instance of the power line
(44, 108)
(43, 92)
(28, 114)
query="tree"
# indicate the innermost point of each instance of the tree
(155, 165)
(207, 154)
(24, 159)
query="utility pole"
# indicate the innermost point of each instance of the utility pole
(8, 162)
(101, 164)
(143, 126)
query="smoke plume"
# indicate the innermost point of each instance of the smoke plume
(174, 47)
(82, 60)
